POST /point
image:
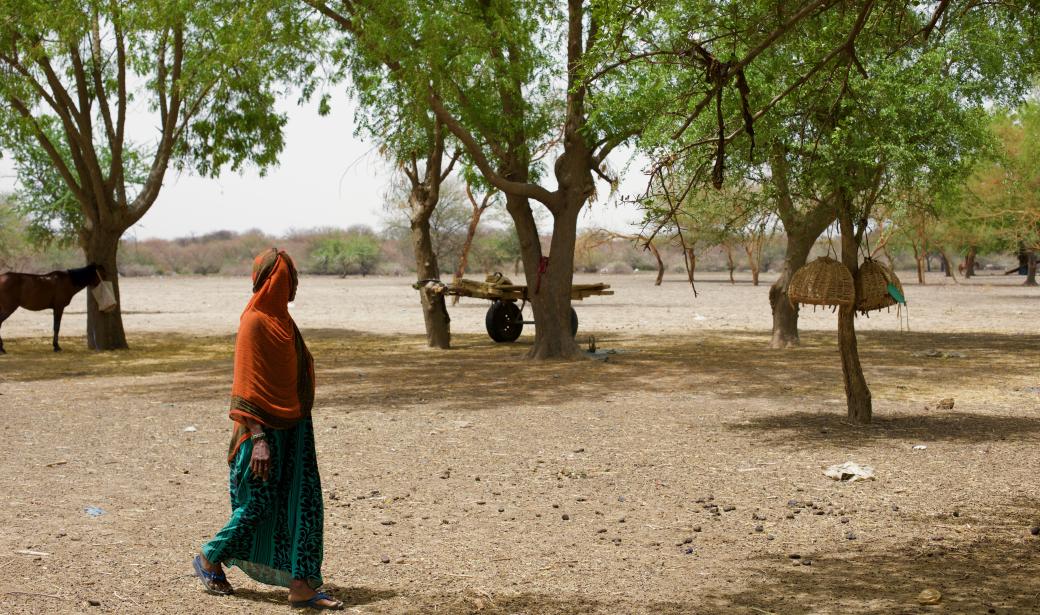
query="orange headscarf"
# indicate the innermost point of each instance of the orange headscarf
(274, 372)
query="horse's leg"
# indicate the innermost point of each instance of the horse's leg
(3, 316)
(57, 326)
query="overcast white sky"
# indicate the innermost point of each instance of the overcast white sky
(326, 177)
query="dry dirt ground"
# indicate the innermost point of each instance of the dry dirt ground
(493, 485)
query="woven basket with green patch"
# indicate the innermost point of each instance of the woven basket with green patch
(877, 287)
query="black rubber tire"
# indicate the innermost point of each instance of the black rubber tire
(504, 321)
(574, 323)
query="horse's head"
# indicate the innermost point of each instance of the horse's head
(96, 273)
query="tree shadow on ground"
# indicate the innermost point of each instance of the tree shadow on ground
(533, 603)
(356, 370)
(32, 358)
(986, 576)
(351, 596)
(825, 429)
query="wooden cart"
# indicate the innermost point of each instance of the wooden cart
(505, 320)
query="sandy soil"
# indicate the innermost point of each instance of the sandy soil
(459, 467)
(386, 305)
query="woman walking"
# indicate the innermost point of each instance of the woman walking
(275, 533)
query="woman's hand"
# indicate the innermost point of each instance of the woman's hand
(260, 462)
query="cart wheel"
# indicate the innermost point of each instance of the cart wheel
(504, 321)
(574, 323)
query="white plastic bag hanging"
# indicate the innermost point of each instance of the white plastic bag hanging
(105, 296)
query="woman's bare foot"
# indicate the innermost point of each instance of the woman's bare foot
(300, 591)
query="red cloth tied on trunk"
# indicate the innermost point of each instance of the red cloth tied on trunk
(274, 371)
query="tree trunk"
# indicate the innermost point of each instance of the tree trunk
(1030, 268)
(752, 264)
(919, 258)
(549, 292)
(105, 329)
(803, 227)
(551, 296)
(857, 394)
(435, 311)
(660, 263)
(944, 262)
(730, 264)
(785, 315)
(969, 262)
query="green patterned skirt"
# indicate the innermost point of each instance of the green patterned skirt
(275, 533)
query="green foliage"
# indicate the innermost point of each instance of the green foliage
(496, 249)
(71, 71)
(349, 253)
(890, 111)
(1001, 200)
(11, 234)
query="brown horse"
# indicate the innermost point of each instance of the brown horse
(51, 291)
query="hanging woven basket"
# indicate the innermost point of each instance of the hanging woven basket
(824, 281)
(877, 287)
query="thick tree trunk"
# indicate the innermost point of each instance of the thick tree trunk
(549, 292)
(803, 227)
(785, 315)
(105, 329)
(857, 394)
(1030, 268)
(969, 262)
(435, 311)
(551, 295)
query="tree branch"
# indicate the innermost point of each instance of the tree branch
(521, 189)
(52, 152)
(451, 164)
(170, 131)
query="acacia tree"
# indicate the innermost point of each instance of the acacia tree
(503, 74)
(69, 74)
(794, 83)
(934, 133)
(1001, 196)
(899, 104)
(425, 183)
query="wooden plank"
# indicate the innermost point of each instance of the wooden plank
(516, 292)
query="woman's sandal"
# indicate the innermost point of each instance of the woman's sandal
(214, 582)
(313, 603)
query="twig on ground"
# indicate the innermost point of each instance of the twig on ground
(126, 599)
(33, 594)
